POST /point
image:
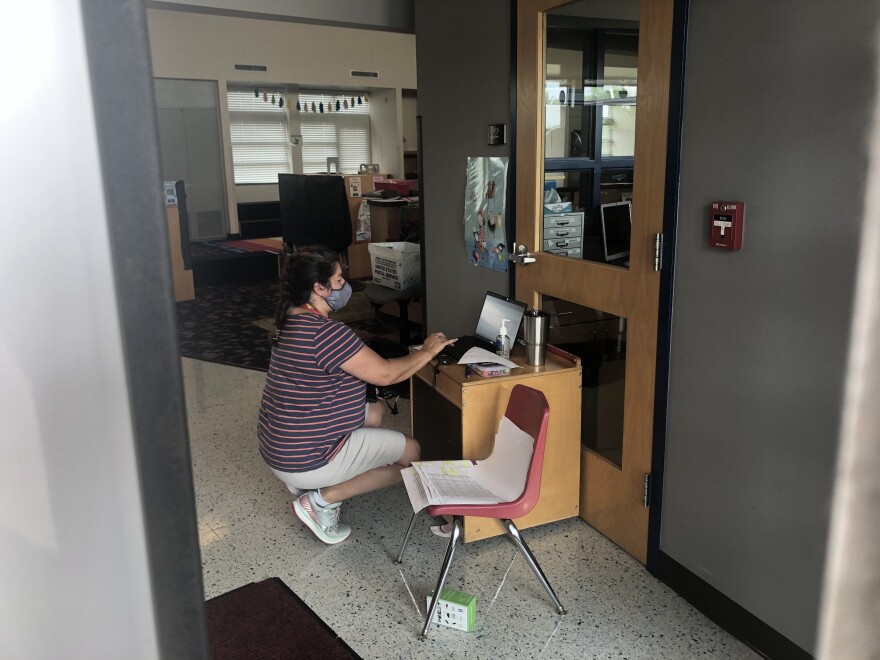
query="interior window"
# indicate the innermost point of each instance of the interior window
(258, 133)
(342, 131)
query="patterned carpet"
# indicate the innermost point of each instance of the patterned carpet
(232, 324)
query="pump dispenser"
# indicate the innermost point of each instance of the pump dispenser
(502, 341)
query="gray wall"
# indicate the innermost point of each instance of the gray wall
(775, 115)
(464, 85)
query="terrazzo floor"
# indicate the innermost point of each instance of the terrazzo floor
(616, 609)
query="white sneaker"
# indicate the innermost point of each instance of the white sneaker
(323, 521)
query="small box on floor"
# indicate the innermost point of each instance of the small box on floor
(455, 609)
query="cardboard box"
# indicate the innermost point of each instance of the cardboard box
(396, 265)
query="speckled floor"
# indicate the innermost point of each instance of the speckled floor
(247, 533)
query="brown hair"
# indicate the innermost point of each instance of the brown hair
(299, 273)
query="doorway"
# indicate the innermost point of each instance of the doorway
(586, 71)
(191, 150)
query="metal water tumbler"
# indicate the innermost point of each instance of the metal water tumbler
(536, 325)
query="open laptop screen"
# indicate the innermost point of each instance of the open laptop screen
(616, 229)
(495, 308)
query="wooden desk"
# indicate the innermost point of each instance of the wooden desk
(455, 417)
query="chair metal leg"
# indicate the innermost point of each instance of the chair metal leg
(412, 522)
(444, 571)
(520, 543)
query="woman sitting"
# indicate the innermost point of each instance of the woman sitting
(316, 430)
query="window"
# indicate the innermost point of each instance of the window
(258, 132)
(343, 134)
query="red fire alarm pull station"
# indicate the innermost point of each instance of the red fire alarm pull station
(726, 230)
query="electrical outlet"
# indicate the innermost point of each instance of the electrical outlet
(455, 609)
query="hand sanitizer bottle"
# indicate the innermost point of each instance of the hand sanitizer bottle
(502, 341)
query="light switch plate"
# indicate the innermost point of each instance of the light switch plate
(496, 134)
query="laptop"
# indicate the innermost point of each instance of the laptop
(495, 308)
(616, 229)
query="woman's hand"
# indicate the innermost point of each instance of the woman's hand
(436, 342)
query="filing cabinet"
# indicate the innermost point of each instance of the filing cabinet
(563, 234)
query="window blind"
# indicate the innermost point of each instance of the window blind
(258, 134)
(342, 134)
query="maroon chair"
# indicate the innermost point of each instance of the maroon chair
(527, 409)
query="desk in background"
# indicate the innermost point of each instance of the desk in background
(182, 276)
(454, 417)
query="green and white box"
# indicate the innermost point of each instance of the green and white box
(455, 609)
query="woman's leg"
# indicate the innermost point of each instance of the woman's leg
(375, 413)
(374, 479)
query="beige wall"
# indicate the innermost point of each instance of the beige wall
(207, 47)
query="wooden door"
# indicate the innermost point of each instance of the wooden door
(611, 492)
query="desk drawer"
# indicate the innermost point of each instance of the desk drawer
(574, 252)
(564, 220)
(562, 243)
(562, 232)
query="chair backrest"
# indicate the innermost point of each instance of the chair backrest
(529, 410)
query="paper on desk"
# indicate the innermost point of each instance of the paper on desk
(475, 355)
(499, 478)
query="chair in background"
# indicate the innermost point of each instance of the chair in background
(380, 295)
(527, 409)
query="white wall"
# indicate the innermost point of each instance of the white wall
(74, 571)
(207, 47)
(410, 112)
(386, 122)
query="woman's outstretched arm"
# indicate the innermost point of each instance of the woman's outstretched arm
(372, 368)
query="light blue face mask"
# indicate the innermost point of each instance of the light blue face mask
(339, 298)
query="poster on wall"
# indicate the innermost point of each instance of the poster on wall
(485, 234)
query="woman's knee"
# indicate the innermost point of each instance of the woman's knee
(411, 452)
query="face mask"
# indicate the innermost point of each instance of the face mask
(338, 298)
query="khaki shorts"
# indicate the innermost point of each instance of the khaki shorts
(365, 449)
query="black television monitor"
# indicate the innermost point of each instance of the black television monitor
(616, 229)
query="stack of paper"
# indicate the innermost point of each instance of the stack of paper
(499, 478)
(476, 355)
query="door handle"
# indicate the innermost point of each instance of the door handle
(520, 255)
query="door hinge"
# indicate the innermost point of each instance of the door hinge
(658, 252)
(646, 494)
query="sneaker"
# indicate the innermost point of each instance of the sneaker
(323, 521)
(296, 492)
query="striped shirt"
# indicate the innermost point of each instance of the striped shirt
(310, 406)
